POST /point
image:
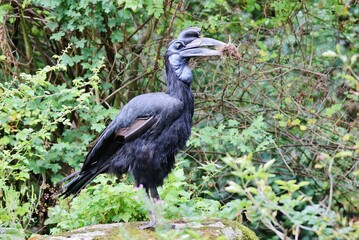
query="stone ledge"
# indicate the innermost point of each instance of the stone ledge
(209, 229)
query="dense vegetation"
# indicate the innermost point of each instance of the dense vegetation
(275, 141)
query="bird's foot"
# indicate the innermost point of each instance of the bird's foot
(151, 225)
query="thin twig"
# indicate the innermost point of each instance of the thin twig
(123, 86)
(331, 182)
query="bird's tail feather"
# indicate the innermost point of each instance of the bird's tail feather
(72, 175)
(79, 182)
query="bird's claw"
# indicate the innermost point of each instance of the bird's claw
(150, 226)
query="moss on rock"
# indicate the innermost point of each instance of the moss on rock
(216, 229)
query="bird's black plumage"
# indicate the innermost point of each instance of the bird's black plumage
(161, 123)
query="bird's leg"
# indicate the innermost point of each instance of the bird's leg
(151, 212)
(154, 194)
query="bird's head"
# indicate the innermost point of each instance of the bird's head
(188, 45)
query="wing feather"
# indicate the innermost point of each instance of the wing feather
(136, 129)
(148, 112)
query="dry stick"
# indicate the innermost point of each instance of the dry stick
(121, 46)
(28, 48)
(352, 168)
(174, 17)
(304, 71)
(283, 158)
(331, 181)
(124, 69)
(139, 27)
(126, 83)
(353, 73)
(123, 86)
(303, 144)
(158, 54)
(113, 64)
(289, 67)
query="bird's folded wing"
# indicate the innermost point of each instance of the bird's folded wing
(136, 129)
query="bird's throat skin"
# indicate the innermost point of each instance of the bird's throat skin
(179, 79)
(180, 67)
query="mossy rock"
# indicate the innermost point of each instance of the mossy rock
(217, 229)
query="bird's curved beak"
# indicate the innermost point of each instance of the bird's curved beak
(199, 48)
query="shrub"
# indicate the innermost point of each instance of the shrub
(40, 135)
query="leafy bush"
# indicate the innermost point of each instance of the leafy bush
(38, 137)
(303, 92)
(288, 207)
(101, 203)
(281, 206)
(109, 200)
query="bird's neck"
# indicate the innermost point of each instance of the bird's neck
(179, 89)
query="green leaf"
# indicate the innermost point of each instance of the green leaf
(234, 188)
(4, 9)
(67, 60)
(333, 109)
(252, 190)
(343, 154)
(80, 44)
(268, 164)
(57, 36)
(303, 183)
(280, 182)
(116, 36)
(295, 122)
(329, 53)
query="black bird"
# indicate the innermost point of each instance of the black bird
(145, 136)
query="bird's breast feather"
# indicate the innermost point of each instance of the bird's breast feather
(160, 105)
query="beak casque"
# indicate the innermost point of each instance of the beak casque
(199, 48)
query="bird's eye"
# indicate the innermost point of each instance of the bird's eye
(179, 45)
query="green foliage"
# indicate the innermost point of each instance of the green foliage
(4, 9)
(227, 138)
(298, 77)
(180, 203)
(32, 113)
(266, 198)
(290, 101)
(101, 203)
(109, 201)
